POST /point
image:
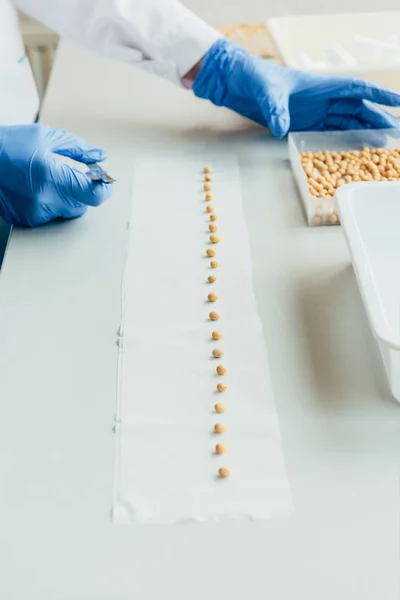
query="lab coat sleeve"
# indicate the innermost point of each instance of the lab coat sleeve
(162, 36)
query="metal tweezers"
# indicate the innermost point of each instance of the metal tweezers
(97, 173)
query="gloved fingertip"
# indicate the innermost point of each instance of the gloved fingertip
(96, 154)
(76, 212)
(279, 125)
(100, 192)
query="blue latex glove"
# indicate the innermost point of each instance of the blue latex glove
(286, 100)
(36, 188)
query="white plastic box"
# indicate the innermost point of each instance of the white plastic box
(310, 42)
(370, 215)
(322, 211)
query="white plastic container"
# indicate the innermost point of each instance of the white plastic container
(370, 215)
(341, 44)
(322, 211)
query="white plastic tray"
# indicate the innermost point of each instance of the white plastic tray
(370, 215)
(313, 34)
(322, 211)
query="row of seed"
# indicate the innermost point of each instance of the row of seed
(219, 408)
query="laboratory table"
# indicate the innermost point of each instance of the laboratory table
(59, 314)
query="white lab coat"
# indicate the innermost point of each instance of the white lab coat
(159, 35)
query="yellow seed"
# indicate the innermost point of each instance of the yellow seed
(214, 316)
(207, 187)
(212, 227)
(207, 177)
(317, 221)
(214, 264)
(210, 252)
(209, 197)
(219, 428)
(216, 352)
(212, 279)
(221, 387)
(213, 217)
(333, 219)
(209, 208)
(207, 169)
(221, 370)
(214, 239)
(219, 408)
(224, 472)
(220, 449)
(212, 297)
(216, 335)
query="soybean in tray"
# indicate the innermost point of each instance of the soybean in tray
(324, 161)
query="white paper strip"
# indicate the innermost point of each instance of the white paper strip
(166, 468)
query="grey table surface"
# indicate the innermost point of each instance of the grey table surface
(59, 314)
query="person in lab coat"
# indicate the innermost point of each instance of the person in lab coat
(163, 37)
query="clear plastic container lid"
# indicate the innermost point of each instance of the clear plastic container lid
(370, 216)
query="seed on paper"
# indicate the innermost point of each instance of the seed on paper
(209, 209)
(217, 353)
(210, 252)
(212, 297)
(221, 387)
(219, 428)
(224, 472)
(212, 227)
(214, 264)
(219, 408)
(207, 187)
(216, 335)
(207, 169)
(213, 217)
(220, 449)
(212, 278)
(207, 177)
(221, 370)
(214, 316)
(209, 197)
(214, 239)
